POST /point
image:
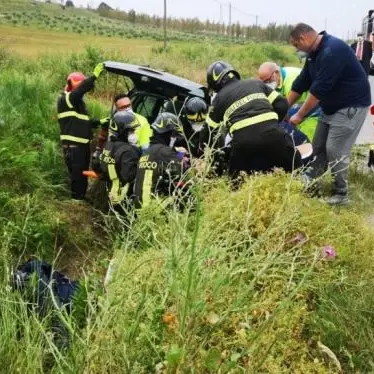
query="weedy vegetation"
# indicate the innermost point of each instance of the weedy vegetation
(243, 281)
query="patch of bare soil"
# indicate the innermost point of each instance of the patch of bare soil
(81, 241)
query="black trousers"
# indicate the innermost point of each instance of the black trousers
(261, 148)
(77, 159)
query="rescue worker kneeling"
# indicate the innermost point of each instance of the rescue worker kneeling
(251, 111)
(161, 167)
(193, 118)
(119, 159)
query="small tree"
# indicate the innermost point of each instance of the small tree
(69, 4)
(132, 16)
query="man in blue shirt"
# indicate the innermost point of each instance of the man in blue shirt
(338, 83)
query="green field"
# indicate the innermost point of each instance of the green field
(237, 285)
(51, 17)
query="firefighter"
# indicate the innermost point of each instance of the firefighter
(76, 128)
(123, 103)
(251, 111)
(120, 156)
(160, 168)
(281, 79)
(193, 118)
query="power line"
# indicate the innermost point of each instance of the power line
(230, 6)
(242, 11)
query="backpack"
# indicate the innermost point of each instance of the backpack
(43, 289)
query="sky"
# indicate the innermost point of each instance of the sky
(339, 16)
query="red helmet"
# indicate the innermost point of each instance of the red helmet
(73, 79)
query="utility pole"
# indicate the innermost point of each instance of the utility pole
(164, 24)
(220, 13)
(230, 19)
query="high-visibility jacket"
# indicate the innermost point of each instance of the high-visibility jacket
(75, 124)
(288, 76)
(309, 124)
(159, 170)
(244, 103)
(144, 132)
(118, 163)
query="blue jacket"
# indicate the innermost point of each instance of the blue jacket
(333, 75)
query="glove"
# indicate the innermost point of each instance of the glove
(96, 154)
(99, 68)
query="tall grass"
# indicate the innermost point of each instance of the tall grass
(240, 283)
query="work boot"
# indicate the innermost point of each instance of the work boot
(338, 199)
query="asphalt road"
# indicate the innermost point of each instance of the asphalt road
(366, 135)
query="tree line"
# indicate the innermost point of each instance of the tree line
(272, 32)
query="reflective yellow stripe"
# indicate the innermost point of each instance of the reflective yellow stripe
(73, 114)
(164, 203)
(211, 123)
(112, 172)
(198, 117)
(68, 102)
(253, 121)
(241, 102)
(74, 139)
(147, 188)
(273, 96)
(116, 193)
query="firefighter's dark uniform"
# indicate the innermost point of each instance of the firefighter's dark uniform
(251, 111)
(76, 133)
(191, 140)
(159, 171)
(118, 163)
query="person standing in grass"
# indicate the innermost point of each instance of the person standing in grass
(337, 82)
(76, 128)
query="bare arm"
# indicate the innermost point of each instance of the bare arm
(293, 96)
